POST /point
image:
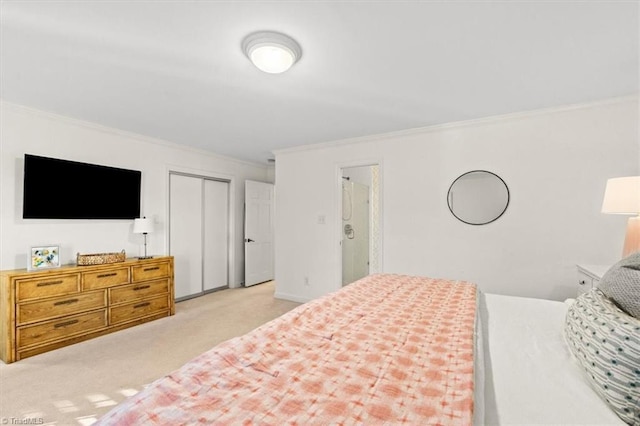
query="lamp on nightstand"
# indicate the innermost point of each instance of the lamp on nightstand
(143, 226)
(622, 196)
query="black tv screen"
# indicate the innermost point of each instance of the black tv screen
(62, 189)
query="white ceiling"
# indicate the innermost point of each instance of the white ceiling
(174, 69)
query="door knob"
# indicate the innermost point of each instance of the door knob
(249, 240)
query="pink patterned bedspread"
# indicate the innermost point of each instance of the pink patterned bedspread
(388, 349)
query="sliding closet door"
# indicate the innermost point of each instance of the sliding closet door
(185, 233)
(216, 234)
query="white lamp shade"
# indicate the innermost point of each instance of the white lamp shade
(622, 195)
(143, 225)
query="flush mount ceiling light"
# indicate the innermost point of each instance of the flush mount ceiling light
(271, 52)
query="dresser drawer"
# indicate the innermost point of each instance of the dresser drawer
(65, 305)
(127, 293)
(585, 283)
(139, 309)
(149, 272)
(61, 328)
(47, 287)
(106, 278)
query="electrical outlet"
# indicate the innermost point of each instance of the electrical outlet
(306, 280)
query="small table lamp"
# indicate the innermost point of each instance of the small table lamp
(143, 226)
(622, 196)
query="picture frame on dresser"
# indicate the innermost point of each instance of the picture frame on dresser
(46, 256)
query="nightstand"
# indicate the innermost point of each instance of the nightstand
(589, 276)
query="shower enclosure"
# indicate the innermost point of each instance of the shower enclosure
(355, 230)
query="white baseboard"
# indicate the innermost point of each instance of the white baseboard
(291, 297)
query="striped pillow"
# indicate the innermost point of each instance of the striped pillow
(606, 343)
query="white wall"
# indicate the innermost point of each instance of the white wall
(555, 162)
(25, 130)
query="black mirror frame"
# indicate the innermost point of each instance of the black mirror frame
(483, 223)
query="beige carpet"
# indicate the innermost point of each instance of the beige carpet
(77, 384)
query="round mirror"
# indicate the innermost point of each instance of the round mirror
(478, 197)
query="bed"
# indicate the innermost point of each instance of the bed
(387, 349)
(530, 375)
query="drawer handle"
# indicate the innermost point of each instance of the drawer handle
(151, 269)
(141, 287)
(66, 323)
(141, 305)
(582, 282)
(49, 283)
(111, 274)
(65, 302)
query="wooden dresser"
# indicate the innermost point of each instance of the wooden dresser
(49, 309)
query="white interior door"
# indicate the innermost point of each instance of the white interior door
(185, 233)
(258, 232)
(216, 234)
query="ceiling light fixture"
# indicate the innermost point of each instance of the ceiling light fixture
(271, 52)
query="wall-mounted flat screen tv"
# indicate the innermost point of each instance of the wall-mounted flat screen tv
(63, 189)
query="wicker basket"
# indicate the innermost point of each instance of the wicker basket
(100, 258)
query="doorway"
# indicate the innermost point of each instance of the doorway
(360, 230)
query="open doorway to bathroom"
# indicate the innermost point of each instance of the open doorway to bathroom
(360, 221)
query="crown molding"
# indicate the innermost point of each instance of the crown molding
(457, 125)
(118, 132)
